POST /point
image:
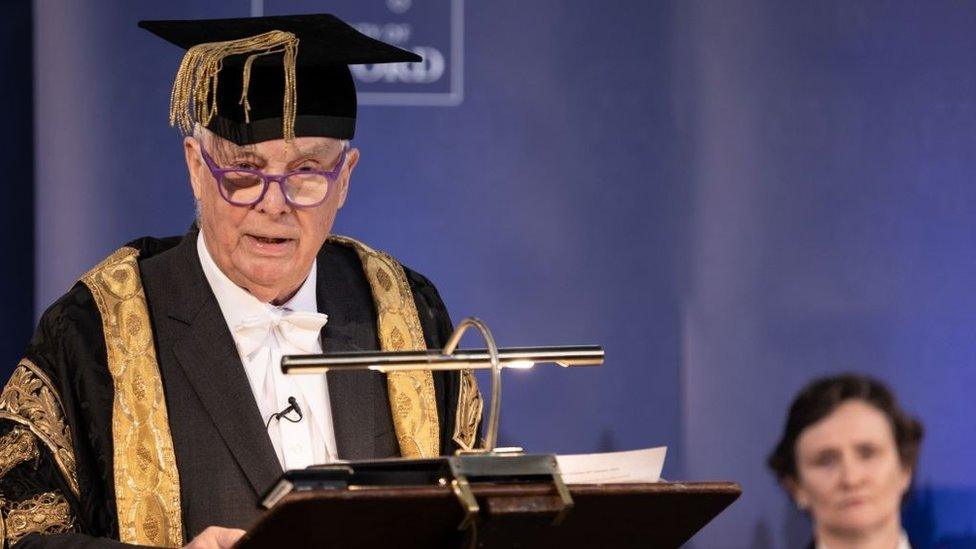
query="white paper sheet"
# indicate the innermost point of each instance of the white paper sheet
(633, 466)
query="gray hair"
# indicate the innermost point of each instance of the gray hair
(206, 136)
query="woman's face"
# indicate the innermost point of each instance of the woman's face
(849, 474)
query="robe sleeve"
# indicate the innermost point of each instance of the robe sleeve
(55, 435)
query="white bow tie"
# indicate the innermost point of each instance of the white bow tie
(299, 329)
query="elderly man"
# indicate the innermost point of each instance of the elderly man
(150, 408)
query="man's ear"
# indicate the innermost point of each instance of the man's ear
(352, 158)
(191, 151)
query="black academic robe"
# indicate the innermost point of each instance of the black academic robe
(223, 454)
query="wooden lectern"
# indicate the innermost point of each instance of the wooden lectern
(665, 514)
(484, 498)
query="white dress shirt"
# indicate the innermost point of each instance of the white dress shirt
(311, 440)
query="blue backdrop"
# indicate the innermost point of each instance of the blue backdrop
(731, 197)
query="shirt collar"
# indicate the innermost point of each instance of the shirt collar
(237, 304)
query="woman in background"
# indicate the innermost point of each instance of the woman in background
(846, 457)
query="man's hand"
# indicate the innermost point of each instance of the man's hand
(215, 537)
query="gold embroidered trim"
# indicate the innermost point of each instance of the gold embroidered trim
(16, 447)
(412, 399)
(47, 513)
(147, 484)
(194, 96)
(31, 400)
(469, 409)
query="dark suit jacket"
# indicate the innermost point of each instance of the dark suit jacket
(224, 456)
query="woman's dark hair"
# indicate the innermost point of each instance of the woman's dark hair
(821, 397)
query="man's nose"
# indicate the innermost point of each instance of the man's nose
(273, 202)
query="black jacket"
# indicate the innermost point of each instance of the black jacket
(223, 454)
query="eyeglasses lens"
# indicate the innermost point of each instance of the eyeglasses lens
(306, 189)
(241, 187)
(301, 189)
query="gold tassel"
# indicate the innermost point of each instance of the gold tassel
(194, 97)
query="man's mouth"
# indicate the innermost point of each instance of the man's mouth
(274, 245)
(270, 240)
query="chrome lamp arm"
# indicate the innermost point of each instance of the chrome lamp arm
(451, 358)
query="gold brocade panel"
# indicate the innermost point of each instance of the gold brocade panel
(413, 403)
(147, 486)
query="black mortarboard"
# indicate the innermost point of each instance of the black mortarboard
(279, 76)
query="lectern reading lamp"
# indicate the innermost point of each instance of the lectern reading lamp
(487, 464)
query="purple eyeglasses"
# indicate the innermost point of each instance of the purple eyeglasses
(301, 189)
